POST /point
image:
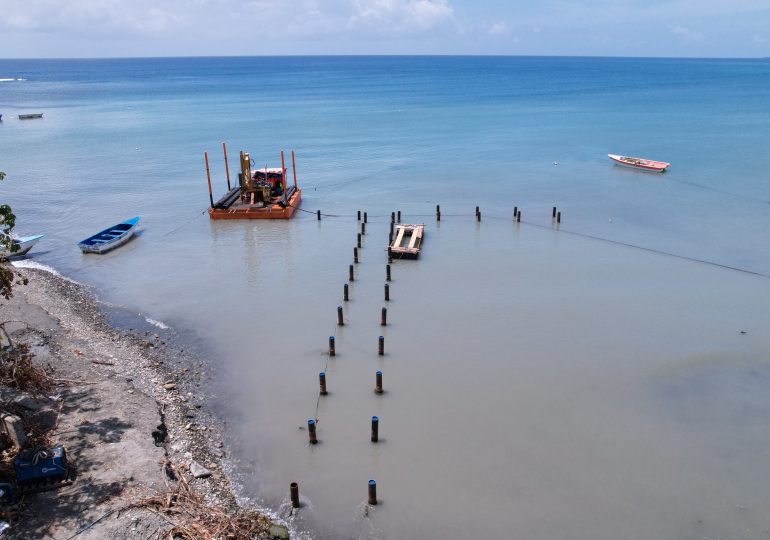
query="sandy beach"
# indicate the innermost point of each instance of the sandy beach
(112, 393)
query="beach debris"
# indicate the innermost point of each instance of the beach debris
(102, 363)
(169, 386)
(160, 434)
(190, 517)
(14, 428)
(198, 470)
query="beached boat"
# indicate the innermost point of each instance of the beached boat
(30, 116)
(407, 242)
(23, 245)
(260, 193)
(110, 238)
(639, 163)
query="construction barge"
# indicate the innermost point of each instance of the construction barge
(260, 194)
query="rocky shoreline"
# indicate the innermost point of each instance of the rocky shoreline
(129, 410)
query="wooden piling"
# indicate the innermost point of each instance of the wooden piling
(227, 167)
(294, 490)
(332, 352)
(345, 295)
(478, 215)
(477, 211)
(387, 272)
(340, 320)
(359, 215)
(365, 220)
(318, 215)
(355, 255)
(358, 240)
(553, 212)
(515, 212)
(311, 435)
(208, 177)
(378, 383)
(558, 217)
(363, 229)
(387, 292)
(392, 217)
(518, 217)
(322, 383)
(384, 317)
(399, 216)
(294, 169)
(350, 273)
(375, 429)
(381, 346)
(372, 492)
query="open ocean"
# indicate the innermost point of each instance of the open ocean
(582, 381)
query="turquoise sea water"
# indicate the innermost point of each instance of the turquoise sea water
(553, 384)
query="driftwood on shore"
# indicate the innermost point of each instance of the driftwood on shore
(190, 517)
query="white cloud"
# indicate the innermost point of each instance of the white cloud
(498, 28)
(96, 17)
(401, 16)
(686, 33)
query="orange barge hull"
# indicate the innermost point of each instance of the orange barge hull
(247, 211)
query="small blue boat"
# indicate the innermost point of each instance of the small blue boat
(110, 238)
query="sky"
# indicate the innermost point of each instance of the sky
(126, 28)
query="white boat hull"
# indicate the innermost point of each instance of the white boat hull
(25, 244)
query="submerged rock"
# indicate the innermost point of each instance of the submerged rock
(278, 532)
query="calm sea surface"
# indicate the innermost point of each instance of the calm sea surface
(583, 381)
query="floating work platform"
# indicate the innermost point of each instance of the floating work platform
(260, 193)
(407, 241)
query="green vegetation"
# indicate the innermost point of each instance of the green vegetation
(7, 222)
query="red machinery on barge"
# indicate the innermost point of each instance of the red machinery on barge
(260, 194)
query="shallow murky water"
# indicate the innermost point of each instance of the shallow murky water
(538, 385)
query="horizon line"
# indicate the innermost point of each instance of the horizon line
(383, 55)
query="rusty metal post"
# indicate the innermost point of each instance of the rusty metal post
(381, 346)
(322, 383)
(372, 492)
(355, 255)
(345, 295)
(294, 490)
(332, 352)
(387, 292)
(378, 383)
(350, 273)
(387, 272)
(375, 429)
(311, 431)
(340, 320)
(384, 317)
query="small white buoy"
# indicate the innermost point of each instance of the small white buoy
(555, 162)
